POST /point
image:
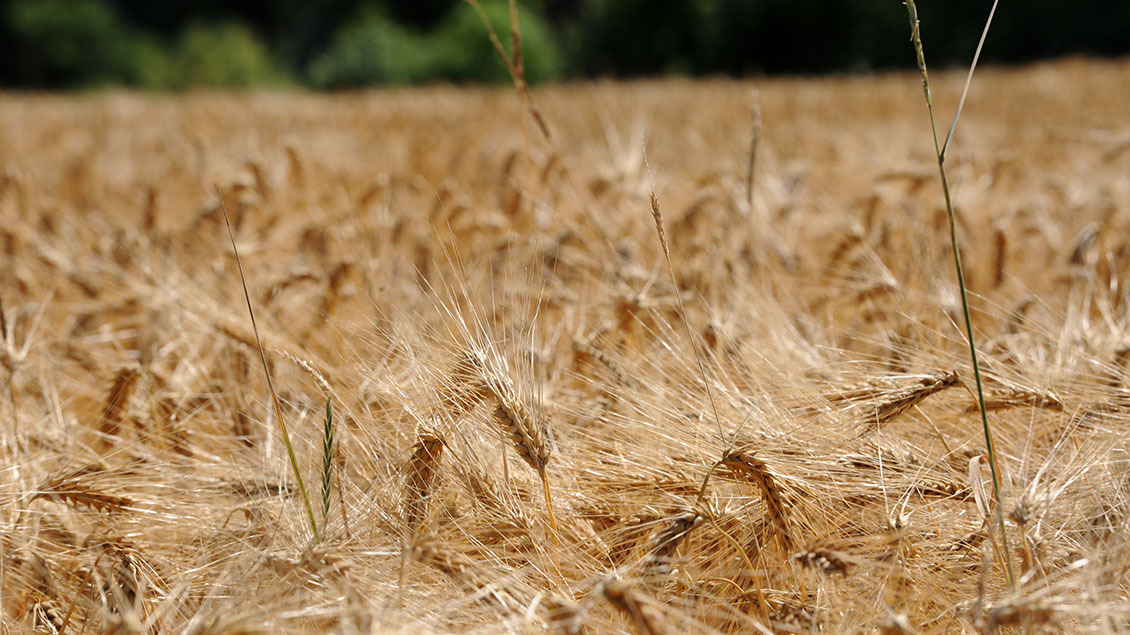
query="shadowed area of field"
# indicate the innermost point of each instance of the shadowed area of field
(489, 308)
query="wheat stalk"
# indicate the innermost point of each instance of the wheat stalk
(668, 540)
(586, 349)
(514, 66)
(528, 437)
(825, 560)
(754, 142)
(1019, 398)
(908, 397)
(657, 216)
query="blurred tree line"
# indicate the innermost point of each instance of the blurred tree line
(333, 44)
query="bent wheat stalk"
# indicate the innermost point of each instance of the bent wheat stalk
(657, 216)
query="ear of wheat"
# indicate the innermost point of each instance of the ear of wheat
(527, 434)
(668, 540)
(329, 449)
(742, 463)
(71, 490)
(420, 474)
(117, 399)
(628, 601)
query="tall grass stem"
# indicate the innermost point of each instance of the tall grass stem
(940, 151)
(267, 373)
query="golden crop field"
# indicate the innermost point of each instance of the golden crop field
(498, 331)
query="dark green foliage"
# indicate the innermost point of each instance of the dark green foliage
(66, 42)
(224, 55)
(69, 43)
(372, 50)
(463, 52)
(639, 37)
(353, 43)
(148, 64)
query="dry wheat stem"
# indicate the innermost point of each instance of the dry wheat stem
(81, 589)
(71, 490)
(523, 90)
(894, 406)
(514, 66)
(527, 434)
(751, 571)
(668, 540)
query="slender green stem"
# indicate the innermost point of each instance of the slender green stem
(267, 372)
(939, 151)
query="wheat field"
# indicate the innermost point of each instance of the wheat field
(525, 439)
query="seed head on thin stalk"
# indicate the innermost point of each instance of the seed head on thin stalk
(482, 374)
(527, 433)
(657, 216)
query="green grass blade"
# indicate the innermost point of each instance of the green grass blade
(969, 78)
(270, 383)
